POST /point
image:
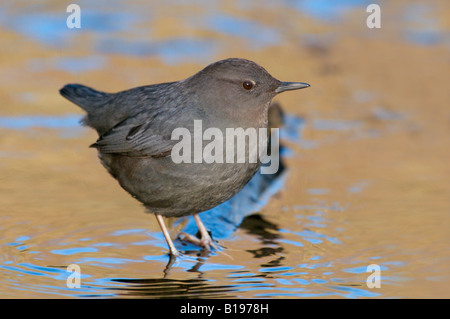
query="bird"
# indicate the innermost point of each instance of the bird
(135, 143)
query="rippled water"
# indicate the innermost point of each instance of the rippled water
(279, 260)
(364, 178)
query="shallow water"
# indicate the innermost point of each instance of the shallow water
(365, 176)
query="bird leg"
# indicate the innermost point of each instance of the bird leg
(173, 250)
(205, 239)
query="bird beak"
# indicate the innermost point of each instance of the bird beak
(288, 86)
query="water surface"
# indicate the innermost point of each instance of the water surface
(365, 152)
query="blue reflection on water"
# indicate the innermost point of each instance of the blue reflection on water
(275, 269)
(327, 10)
(171, 51)
(49, 27)
(353, 292)
(42, 27)
(360, 269)
(79, 64)
(74, 250)
(422, 26)
(109, 262)
(69, 121)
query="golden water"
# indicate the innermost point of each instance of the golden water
(368, 182)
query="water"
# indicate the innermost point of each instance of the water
(364, 179)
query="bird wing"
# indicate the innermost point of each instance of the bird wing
(136, 138)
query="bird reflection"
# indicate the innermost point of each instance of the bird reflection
(172, 288)
(267, 233)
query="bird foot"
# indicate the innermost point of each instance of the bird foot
(206, 242)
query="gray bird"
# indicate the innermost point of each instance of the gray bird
(135, 136)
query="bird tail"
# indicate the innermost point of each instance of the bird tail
(85, 97)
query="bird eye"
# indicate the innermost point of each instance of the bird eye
(248, 85)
